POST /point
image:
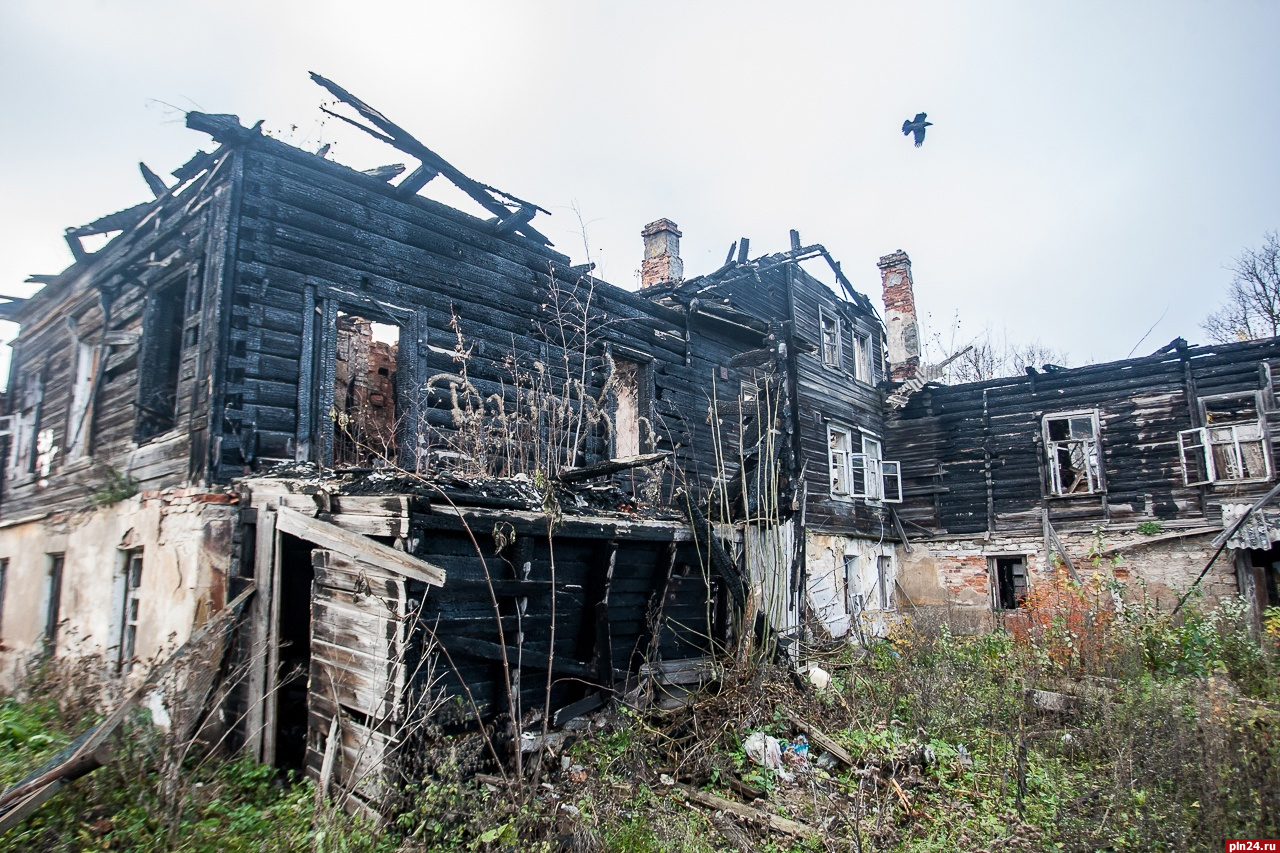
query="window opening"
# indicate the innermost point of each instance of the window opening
(853, 597)
(53, 601)
(132, 605)
(1010, 582)
(1071, 443)
(4, 580)
(626, 418)
(884, 581)
(831, 343)
(862, 357)
(1230, 447)
(839, 449)
(861, 475)
(161, 362)
(78, 428)
(365, 403)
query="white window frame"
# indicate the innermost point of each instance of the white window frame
(1092, 451)
(1200, 442)
(881, 478)
(825, 314)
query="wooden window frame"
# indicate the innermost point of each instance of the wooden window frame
(825, 315)
(1092, 448)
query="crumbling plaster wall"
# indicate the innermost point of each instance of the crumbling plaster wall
(951, 574)
(827, 587)
(186, 537)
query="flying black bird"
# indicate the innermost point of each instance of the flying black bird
(916, 126)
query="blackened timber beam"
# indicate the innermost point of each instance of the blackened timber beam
(401, 139)
(530, 659)
(516, 220)
(157, 186)
(604, 637)
(385, 173)
(611, 466)
(77, 249)
(416, 180)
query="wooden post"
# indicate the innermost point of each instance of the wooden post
(259, 633)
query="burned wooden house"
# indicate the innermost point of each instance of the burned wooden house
(463, 477)
(287, 373)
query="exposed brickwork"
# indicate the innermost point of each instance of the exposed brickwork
(1161, 570)
(901, 326)
(661, 254)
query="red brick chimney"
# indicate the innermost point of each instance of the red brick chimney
(900, 315)
(661, 254)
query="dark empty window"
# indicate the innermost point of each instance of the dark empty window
(4, 577)
(160, 361)
(364, 392)
(53, 601)
(1010, 587)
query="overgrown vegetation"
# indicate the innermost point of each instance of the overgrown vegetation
(1159, 734)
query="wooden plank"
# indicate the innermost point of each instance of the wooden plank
(259, 614)
(816, 736)
(357, 547)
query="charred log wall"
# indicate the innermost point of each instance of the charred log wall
(79, 398)
(974, 457)
(317, 238)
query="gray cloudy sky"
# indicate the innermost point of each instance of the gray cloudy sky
(1094, 165)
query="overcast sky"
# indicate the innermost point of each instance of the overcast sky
(1093, 166)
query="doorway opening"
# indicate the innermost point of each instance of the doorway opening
(293, 637)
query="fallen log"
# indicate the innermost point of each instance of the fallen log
(777, 823)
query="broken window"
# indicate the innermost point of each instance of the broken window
(365, 402)
(862, 357)
(861, 475)
(884, 582)
(1009, 585)
(4, 580)
(839, 451)
(160, 363)
(129, 615)
(831, 344)
(1071, 444)
(853, 598)
(626, 417)
(1231, 446)
(748, 392)
(78, 427)
(53, 601)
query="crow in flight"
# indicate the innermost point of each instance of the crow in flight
(916, 126)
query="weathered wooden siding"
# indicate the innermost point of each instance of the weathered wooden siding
(181, 243)
(973, 455)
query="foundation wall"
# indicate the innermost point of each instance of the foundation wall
(185, 537)
(952, 576)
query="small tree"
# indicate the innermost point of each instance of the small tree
(1252, 307)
